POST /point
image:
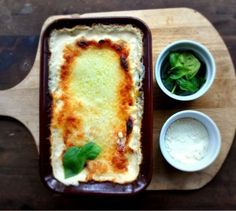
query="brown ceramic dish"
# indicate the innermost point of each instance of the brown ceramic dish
(145, 173)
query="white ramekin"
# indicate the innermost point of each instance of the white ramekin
(213, 147)
(202, 53)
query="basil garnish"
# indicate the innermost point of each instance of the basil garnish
(75, 158)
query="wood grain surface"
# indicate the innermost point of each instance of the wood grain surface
(20, 185)
(167, 25)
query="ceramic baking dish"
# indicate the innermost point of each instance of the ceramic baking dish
(145, 173)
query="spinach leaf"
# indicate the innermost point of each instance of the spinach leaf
(181, 75)
(201, 79)
(188, 85)
(75, 158)
(173, 58)
(178, 72)
(191, 63)
(169, 83)
(184, 64)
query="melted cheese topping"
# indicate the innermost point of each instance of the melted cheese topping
(95, 75)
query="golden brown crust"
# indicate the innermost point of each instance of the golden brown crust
(72, 111)
(71, 123)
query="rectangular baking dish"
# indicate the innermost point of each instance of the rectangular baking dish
(101, 188)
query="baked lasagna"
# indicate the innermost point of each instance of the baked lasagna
(95, 82)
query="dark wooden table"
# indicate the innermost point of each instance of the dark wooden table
(20, 186)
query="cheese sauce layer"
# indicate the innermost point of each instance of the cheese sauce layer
(95, 76)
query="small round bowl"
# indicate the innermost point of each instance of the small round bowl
(213, 146)
(201, 52)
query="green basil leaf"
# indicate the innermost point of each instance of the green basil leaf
(73, 162)
(70, 172)
(75, 158)
(90, 150)
(70, 157)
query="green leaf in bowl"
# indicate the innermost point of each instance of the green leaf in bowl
(191, 85)
(183, 64)
(182, 75)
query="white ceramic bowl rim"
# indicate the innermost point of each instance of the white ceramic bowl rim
(202, 52)
(208, 159)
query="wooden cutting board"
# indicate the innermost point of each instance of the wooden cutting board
(167, 25)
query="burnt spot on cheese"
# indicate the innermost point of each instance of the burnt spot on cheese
(101, 42)
(124, 62)
(69, 54)
(119, 161)
(64, 72)
(72, 121)
(126, 99)
(129, 126)
(117, 48)
(82, 43)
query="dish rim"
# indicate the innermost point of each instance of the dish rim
(97, 188)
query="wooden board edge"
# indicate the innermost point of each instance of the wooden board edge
(32, 73)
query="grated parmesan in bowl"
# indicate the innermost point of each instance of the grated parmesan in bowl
(190, 141)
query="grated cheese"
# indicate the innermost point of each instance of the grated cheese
(187, 140)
